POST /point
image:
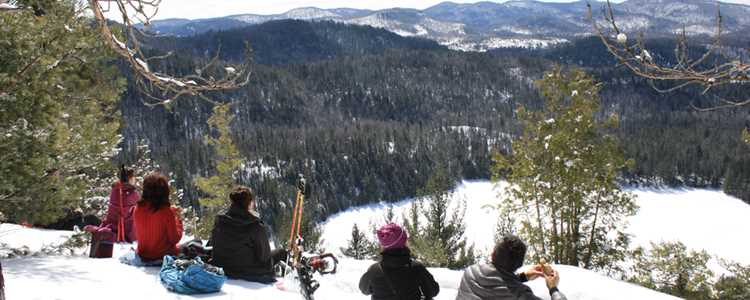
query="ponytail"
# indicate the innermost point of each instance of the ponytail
(125, 174)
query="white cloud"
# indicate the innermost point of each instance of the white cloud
(196, 9)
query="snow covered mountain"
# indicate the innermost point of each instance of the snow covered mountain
(487, 25)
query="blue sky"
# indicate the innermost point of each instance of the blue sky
(195, 9)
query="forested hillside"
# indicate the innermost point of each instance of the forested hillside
(372, 113)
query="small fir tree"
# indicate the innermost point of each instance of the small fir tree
(216, 188)
(562, 176)
(360, 247)
(440, 240)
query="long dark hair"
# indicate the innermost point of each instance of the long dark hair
(125, 174)
(155, 191)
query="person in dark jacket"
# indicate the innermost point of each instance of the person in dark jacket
(498, 281)
(397, 276)
(240, 241)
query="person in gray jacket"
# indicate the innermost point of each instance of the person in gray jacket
(498, 280)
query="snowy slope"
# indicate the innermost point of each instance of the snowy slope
(701, 219)
(35, 239)
(80, 278)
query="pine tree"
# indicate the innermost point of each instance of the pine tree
(440, 240)
(563, 175)
(360, 247)
(216, 188)
(59, 118)
(736, 284)
(670, 268)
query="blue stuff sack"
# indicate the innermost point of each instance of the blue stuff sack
(191, 277)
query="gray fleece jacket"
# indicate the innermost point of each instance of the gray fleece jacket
(484, 282)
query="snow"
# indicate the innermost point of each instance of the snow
(80, 278)
(17, 236)
(310, 13)
(622, 38)
(143, 64)
(461, 44)
(700, 219)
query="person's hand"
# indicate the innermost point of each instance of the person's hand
(552, 280)
(534, 272)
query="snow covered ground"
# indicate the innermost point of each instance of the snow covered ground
(702, 219)
(34, 239)
(80, 278)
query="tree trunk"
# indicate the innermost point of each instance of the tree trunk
(590, 246)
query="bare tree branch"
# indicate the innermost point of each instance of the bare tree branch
(686, 71)
(169, 87)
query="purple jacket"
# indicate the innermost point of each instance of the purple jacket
(130, 198)
(2, 284)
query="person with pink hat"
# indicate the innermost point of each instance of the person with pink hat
(397, 276)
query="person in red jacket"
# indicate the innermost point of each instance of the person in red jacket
(158, 227)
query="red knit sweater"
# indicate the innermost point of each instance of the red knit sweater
(157, 232)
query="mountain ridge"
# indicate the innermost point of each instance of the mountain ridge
(483, 26)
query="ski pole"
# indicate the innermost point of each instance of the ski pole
(294, 222)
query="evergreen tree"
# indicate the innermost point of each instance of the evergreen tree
(216, 188)
(736, 284)
(58, 116)
(440, 240)
(563, 175)
(360, 247)
(671, 269)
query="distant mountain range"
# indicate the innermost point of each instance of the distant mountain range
(483, 26)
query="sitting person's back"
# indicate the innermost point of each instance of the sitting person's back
(397, 276)
(122, 200)
(157, 225)
(497, 281)
(240, 242)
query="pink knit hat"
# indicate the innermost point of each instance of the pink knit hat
(392, 236)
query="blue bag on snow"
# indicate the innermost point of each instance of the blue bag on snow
(191, 276)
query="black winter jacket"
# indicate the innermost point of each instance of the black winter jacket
(399, 273)
(240, 245)
(484, 282)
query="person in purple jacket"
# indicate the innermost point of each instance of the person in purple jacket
(118, 222)
(2, 283)
(122, 200)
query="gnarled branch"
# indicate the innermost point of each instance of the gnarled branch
(686, 71)
(170, 87)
